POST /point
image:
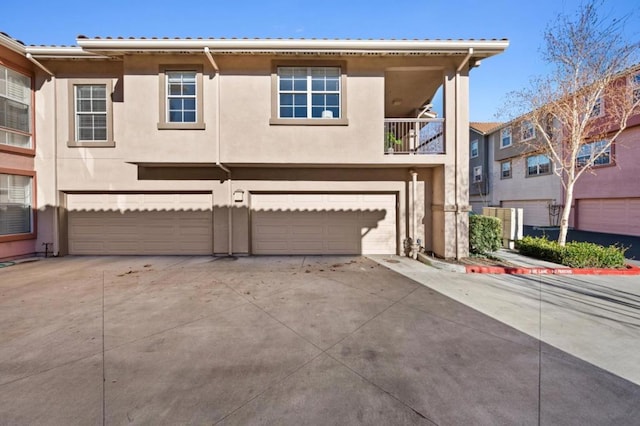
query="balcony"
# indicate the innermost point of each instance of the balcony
(411, 136)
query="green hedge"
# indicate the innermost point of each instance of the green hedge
(574, 254)
(485, 234)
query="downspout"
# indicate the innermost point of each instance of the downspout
(56, 196)
(207, 53)
(464, 62)
(415, 246)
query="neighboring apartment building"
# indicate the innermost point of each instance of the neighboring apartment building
(253, 146)
(17, 152)
(606, 198)
(480, 166)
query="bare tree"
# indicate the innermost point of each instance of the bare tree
(586, 97)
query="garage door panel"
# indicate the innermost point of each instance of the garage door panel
(535, 212)
(140, 223)
(615, 216)
(323, 223)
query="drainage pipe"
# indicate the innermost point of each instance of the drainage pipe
(35, 61)
(207, 53)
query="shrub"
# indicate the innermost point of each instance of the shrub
(574, 254)
(485, 234)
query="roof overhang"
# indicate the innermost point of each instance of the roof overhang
(121, 46)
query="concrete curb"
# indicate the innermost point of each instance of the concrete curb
(476, 269)
(523, 270)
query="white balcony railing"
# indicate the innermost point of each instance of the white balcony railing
(414, 136)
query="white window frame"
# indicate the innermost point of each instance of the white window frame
(587, 151)
(598, 107)
(506, 134)
(103, 112)
(538, 165)
(502, 169)
(477, 174)
(634, 82)
(192, 74)
(474, 149)
(309, 92)
(527, 130)
(13, 92)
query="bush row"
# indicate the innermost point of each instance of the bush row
(574, 254)
(485, 234)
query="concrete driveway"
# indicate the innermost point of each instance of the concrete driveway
(284, 340)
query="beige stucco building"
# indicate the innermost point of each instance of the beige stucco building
(253, 146)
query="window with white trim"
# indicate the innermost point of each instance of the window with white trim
(477, 174)
(505, 169)
(15, 108)
(474, 148)
(16, 216)
(635, 87)
(597, 109)
(91, 112)
(528, 131)
(589, 151)
(181, 97)
(309, 92)
(538, 165)
(505, 137)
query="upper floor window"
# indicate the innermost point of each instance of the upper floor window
(635, 87)
(15, 204)
(477, 174)
(528, 131)
(538, 165)
(309, 92)
(15, 108)
(474, 148)
(598, 109)
(91, 107)
(505, 137)
(505, 170)
(181, 100)
(589, 151)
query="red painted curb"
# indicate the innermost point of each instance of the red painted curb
(521, 270)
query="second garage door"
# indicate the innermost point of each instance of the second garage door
(609, 215)
(535, 212)
(161, 224)
(323, 223)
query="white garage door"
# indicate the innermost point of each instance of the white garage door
(140, 223)
(323, 223)
(613, 215)
(535, 212)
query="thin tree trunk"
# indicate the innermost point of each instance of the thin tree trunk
(566, 211)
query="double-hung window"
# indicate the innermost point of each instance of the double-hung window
(474, 148)
(635, 87)
(313, 93)
(90, 107)
(505, 137)
(505, 169)
(538, 165)
(528, 131)
(588, 153)
(597, 109)
(16, 216)
(91, 112)
(15, 109)
(181, 97)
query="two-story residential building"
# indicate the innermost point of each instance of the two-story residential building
(17, 151)
(253, 146)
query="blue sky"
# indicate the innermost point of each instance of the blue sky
(522, 22)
